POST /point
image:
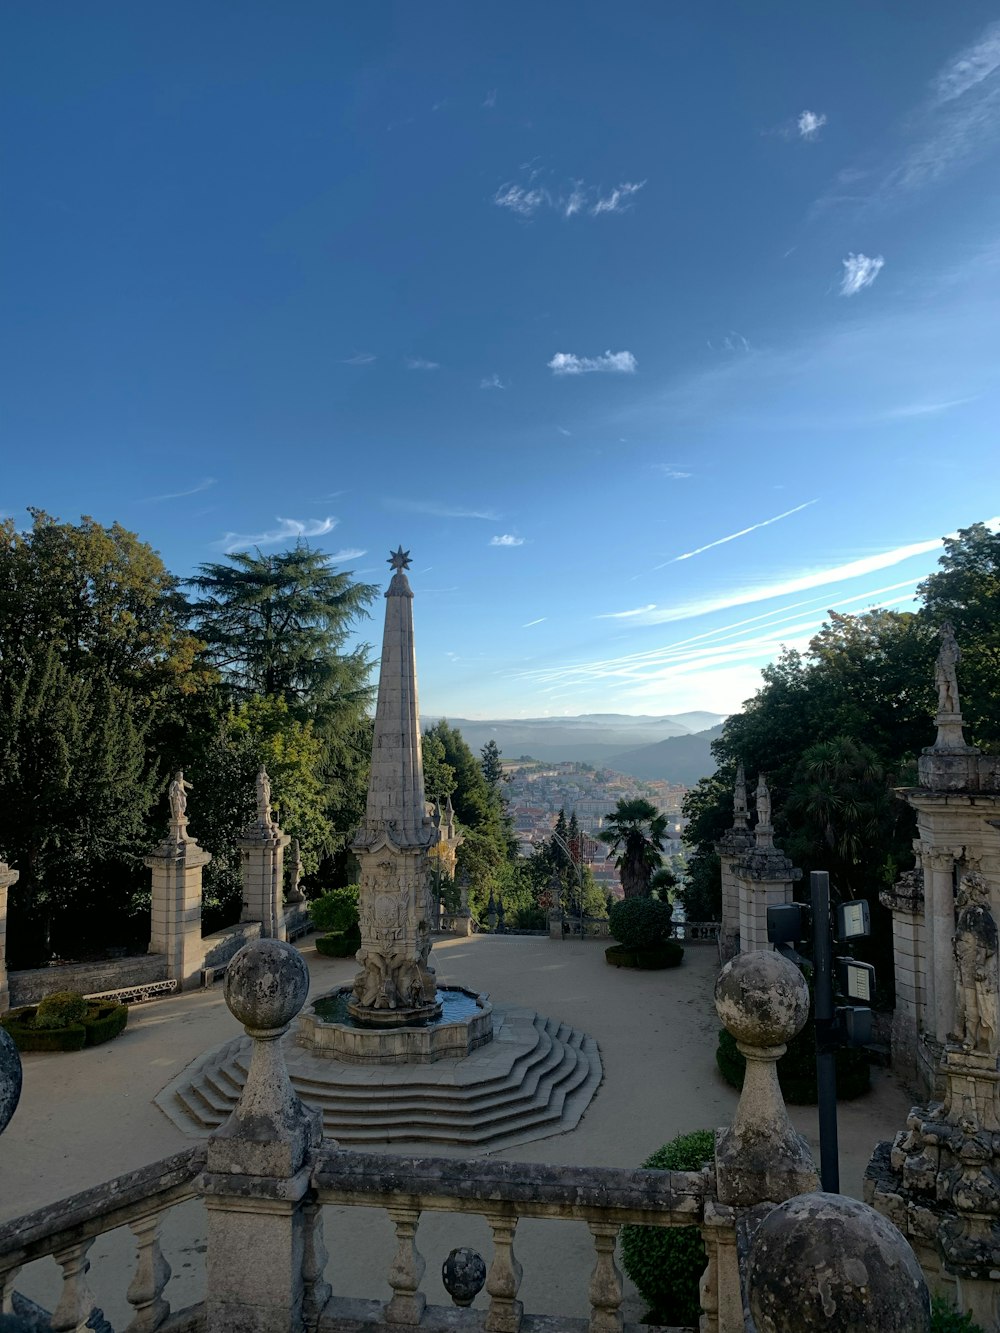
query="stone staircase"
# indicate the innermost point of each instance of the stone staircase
(534, 1079)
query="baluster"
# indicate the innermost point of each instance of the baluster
(152, 1273)
(504, 1278)
(605, 1281)
(407, 1304)
(314, 1257)
(75, 1302)
(7, 1279)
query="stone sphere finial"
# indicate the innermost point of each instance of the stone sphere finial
(762, 999)
(266, 985)
(464, 1275)
(824, 1261)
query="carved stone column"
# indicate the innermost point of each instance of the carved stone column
(262, 851)
(939, 915)
(175, 929)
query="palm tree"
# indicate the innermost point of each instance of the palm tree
(636, 831)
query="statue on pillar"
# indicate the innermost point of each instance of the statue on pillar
(264, 797)
(946, 670)
(977, 974)
(177, 796)
(295, 894)
(740, 798)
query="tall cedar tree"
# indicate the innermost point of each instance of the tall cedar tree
(276, 626)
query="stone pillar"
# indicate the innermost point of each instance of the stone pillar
(906, 902)
(732, 847)
(764, 877)
(257, 1177)
(177, 865)
(7, 878)
(262, 852)
(763, 1001)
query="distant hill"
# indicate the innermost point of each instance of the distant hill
(590, 738)
(677, 759)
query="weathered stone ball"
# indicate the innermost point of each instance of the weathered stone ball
(266, 984)
(463, 1274)
(823, 1261)
(10, 1078)
(762, 998)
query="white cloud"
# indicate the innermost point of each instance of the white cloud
(810, 123)
(572, 200)
(568, 363)
(925, 409)
(418, 363)
(360, 359)
(289, 529)
(492, 382)
(435, 510)
(860, 271)
(519, 200)
(628, 615)
(970, 67)
(563, 431)
(618, 201)
(203, 485)
(529, 624)
(490, 100)
(348, 553)
(766, 523)
(507, 539)
(672, 473)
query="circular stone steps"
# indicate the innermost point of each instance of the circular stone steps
(535, 1078)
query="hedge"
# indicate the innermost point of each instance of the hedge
(797, 1068)
(666, 1263)
(339, 944)
(668, 954)
(641, 923)
(336, 912)
(101, 1022)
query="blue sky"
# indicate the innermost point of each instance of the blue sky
(653, 331)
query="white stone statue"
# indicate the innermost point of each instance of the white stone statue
(263, 796)
(763, 801)
(977, 974)
(177, 796)
(946, 670)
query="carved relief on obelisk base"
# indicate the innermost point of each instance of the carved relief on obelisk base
(396, 983)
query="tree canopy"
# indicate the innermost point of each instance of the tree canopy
(635, 830)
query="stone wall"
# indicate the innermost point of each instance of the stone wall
(221, 945)
(110, 974)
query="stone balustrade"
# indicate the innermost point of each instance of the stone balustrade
(266, 1177)
(66, 1231)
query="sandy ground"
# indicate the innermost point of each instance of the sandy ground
(87, 1116)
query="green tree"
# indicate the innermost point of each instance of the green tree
(278, 624)
(966, 591)
(491, 763)
(636, 830)
(93, 650)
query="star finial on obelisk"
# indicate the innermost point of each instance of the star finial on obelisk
(399, 559)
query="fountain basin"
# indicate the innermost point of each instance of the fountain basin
(465, 1023)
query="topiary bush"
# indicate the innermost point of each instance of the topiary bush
(104, 1021)
(62, 1009)
(337, 911)
(946, 1319)
(339, 944)
(666, 1263)
(99, 1021)
(641, 923)
(668, 954)
(20, 1023)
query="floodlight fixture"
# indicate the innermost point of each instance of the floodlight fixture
(853, 919)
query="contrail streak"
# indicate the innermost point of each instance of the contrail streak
(733, 535)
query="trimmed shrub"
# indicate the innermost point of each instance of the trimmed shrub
(668, 954)
(339, 944)
(20, 1023)
(797, 1068)
(62, 1009)
(946, 1319)
(666, 1263)
(104, 1021)
(336, 913)
(641, 923)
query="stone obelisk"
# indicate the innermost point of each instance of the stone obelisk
(396, 985)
